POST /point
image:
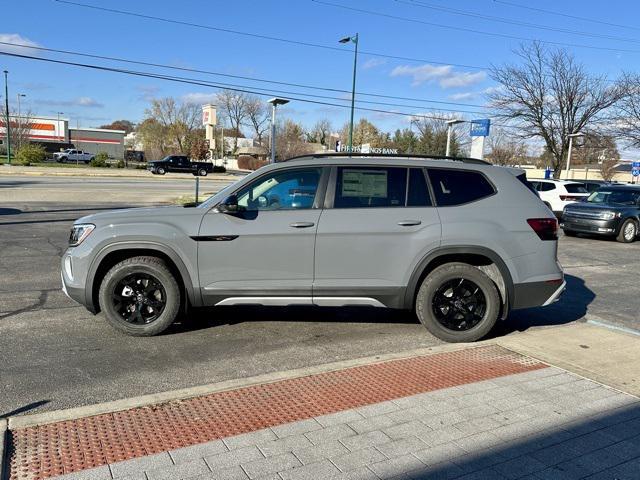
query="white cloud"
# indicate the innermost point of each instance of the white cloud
(443, 74)
(462, 96)
(86, 102)
(199, 97)
(16, 39)
(373, 63)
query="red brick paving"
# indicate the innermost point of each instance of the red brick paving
(59, 448)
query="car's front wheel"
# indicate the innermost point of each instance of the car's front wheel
(140, 296)
(202, 172)
(160, 171)
(628, 231)
(458, 302)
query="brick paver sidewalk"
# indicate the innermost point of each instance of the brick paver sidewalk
(478, 413)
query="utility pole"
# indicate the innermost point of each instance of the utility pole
(6, 106)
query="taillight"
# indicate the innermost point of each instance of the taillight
(545, 228)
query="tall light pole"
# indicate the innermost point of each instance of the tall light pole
(353, 39)
(58, 124)
(274, 103)
(6, 106)
(20, 133)
(450, 125)
(571, 137)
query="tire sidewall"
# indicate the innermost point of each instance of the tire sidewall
(128, 267)
(448, 272)
(202, 172)
(621, 237)
(160, 171)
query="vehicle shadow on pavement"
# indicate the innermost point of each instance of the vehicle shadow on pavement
(198, 319)
(25, 408)
(572, 306)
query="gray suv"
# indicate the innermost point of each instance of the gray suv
(458, 241)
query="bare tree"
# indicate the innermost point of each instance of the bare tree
(233, 108)
(627, 124)
(290, 140)
(608, 168)
(505, 149)
(179, 121)
(551, 96)
(21, 127)
(258, 116)
(321, 131)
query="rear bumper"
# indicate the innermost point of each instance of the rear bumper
(537, 294)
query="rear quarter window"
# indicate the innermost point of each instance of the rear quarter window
(575, 188)
(456, 187)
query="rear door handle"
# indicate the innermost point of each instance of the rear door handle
(301, 224)
(409, 223)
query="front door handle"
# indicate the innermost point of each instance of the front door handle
(409, 223)
(301, 224)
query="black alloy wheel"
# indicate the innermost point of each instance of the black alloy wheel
(459, 304)
(139, 298)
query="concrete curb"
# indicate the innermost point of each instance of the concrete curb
(4, 462)
(71, 173)
(44, 418)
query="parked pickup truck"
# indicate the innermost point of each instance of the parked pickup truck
(73, 155)
(180, 164)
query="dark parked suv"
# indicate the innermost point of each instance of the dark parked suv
(458, 241)
(613, 210)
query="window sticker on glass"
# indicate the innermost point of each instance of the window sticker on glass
(364, 183)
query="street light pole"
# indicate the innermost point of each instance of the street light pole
(274, 103)
(571, 136)
(353, 39)
(20, 133)
(450, 124)
(6, 106)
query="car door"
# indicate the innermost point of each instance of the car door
(378, 223)
(264, 253)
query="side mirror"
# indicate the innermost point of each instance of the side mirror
(230, 205)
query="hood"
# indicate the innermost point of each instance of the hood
(595, 207)
(138, 215)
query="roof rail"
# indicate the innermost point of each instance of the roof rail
(388, 155)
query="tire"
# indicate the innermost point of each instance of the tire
(142, 320)
(161, 171)
(628, 231)
(569, 233)
(444, 279)
(202, 172)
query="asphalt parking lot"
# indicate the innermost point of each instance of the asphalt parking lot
(54, 354)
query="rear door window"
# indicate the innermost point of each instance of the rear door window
(418, 195)
(370, 187)
(575, 188)
(456, 187)
(546, 187)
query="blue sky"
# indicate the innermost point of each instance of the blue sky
(90, 98)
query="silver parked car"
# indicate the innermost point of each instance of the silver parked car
(458, 241)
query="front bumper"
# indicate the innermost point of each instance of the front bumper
(588, 225)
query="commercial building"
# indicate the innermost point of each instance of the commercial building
(55, 134)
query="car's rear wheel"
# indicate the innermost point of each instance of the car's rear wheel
(202, 172)
(140, 296)
(628, 231)
(458, 302)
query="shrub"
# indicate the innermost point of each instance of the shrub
(120, 164)
(29, 154)
(100, 160)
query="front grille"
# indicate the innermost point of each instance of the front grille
(584, 214)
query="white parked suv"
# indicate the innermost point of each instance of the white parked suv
(557, 194)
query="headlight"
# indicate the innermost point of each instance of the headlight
(79, 233)
(609, 215)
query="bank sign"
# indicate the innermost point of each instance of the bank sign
(480, 128)
(366, 148)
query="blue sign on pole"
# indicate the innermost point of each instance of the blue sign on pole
(635, 169)
(480, 128)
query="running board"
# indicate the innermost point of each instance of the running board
(285, 301)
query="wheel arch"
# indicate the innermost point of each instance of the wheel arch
(489, 261)
(112, 254)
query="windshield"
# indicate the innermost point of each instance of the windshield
(615, 197)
